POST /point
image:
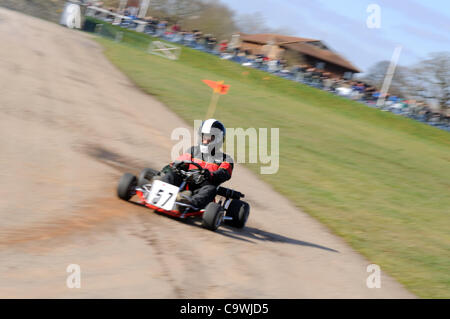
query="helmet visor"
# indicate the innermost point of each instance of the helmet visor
(207, 138)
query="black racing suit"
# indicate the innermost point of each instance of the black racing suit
(220, 166)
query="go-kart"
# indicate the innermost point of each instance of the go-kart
(161, 197)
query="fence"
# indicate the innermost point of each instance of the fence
(136, 40)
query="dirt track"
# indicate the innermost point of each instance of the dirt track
(70, 125)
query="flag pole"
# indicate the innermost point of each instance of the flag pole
(212, 105)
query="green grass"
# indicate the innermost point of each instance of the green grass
(380, 181)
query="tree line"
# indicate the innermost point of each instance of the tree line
(427, 81)
(209, 16)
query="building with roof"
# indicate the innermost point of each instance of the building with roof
(298, 51)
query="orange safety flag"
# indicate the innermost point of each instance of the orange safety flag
(218, 86)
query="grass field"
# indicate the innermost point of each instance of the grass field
(380, 181)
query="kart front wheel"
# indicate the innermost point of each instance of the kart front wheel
(126, 187)
(213, 216)
(146, 176)
(239, 211)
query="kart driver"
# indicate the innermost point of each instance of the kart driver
(217, 166)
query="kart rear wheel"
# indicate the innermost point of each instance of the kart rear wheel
(146, 175)
(239, 211)
(212, 217)
(126, 187)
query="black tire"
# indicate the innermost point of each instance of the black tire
(240, 211)
(127, 184)
(146, 175)
(213, 216)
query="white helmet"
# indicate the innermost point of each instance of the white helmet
(216, 130)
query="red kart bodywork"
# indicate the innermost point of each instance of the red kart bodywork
(174, 213)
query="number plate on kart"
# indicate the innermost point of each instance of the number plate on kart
(162, 195)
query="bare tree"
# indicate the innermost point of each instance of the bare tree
(257, 23)
(213, 17)
(430, 79)
(182, 9)
(175, 10)
(111, 3)
(377, 73)
(252, 23)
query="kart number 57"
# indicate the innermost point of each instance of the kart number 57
(162, 195)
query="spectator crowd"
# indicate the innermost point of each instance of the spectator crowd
(356, 90)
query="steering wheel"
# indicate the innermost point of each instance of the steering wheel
(191, 176)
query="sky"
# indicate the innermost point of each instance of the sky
(420, 27)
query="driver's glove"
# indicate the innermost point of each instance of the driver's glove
(200, 177)
(206, 175)
(197, 177)
(175, 163)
